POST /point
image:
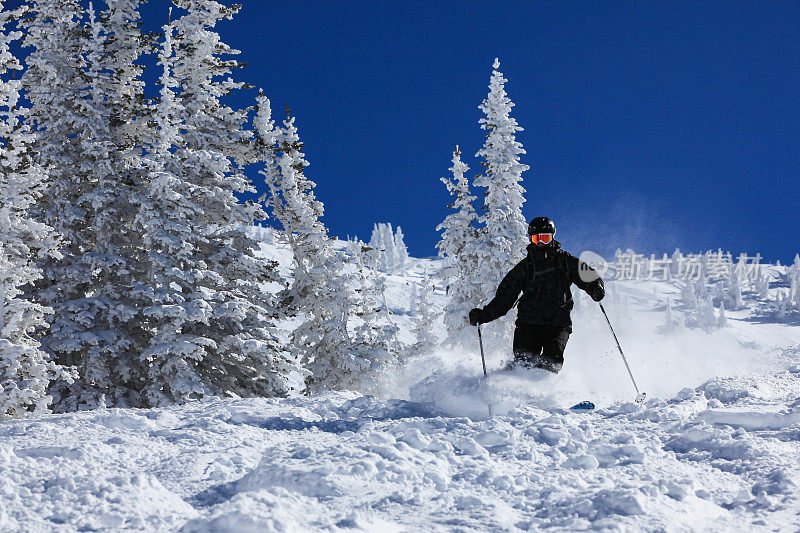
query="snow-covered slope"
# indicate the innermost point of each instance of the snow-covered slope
(715, 447)
(720, 457)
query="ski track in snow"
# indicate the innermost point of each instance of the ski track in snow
(715, 447)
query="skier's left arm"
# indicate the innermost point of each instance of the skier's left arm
(586, 278)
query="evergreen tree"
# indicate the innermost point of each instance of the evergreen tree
(458, 246)
(504, 229)
(73, 81)
(388, 252)
(53, 79)
(722, 319)
(734, 291)
(202, 68)
(400, 251)
(204, 301)
(762, 287)
(291, 198)
(424, 316)
(689, 295)
(383, 256)
(25, 370)
(794, 282)
(123, 46)
(389, 256)
(781, 305)
(321, 287)
(376, 346)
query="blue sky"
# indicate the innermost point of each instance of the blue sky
(647, 124)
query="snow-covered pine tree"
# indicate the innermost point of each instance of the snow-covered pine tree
(762, 287)
(25, 370)
(689, 295)
(375, 339)
(669, 312)
(53, 79)
(73, 82)
(458, 246)
(204, 302)
(291, 196)
(701, 283)
(704, 315)
(400, 251)
(734, 291)
(424, 316)
(203, 68)
(503, 234)
(722, 319)
(382, 253)
(322, 284)
(781, 305)
(387, 238)
(124, 44)
(388, 252)
(676, 265)
(794, 282)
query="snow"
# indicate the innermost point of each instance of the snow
(714, 447)
(342, 461)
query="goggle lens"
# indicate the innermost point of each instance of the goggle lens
(544, 238)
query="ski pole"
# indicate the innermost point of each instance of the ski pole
(639, 395)
(483, 359)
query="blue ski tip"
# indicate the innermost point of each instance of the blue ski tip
(583, 406)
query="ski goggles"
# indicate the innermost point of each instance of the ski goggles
(544, 238)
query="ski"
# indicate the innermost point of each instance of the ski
(583, 406)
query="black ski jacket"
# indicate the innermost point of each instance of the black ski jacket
(544, 278)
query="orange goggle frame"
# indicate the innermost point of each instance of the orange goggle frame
(544, 238)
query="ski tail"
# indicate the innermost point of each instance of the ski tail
(583, 406)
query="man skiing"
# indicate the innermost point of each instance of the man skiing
(544, 278)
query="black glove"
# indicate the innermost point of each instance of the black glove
(477, 316)
(597, 292)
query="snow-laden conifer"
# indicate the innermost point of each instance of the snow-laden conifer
(503, 227)
(124, 44)
(203, 66)
(322, 284)
(762, 287)
(458, 246)
(722, 319)
(77, 84)
(54, 79)
(424, 316)
(203, 292)
(376, 344)
(794, 282)
(381, 242)
(400, 251)
(388, 252)
(291, 197)
(734, 291)
(25, 370)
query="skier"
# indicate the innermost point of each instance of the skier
(544, 278)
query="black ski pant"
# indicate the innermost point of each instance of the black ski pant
(541, 346)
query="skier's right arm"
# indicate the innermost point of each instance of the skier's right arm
(506, 295)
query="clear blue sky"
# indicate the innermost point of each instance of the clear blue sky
(647, 124)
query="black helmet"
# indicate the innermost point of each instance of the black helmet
(541, 225)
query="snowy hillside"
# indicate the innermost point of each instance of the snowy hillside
(713, 448)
